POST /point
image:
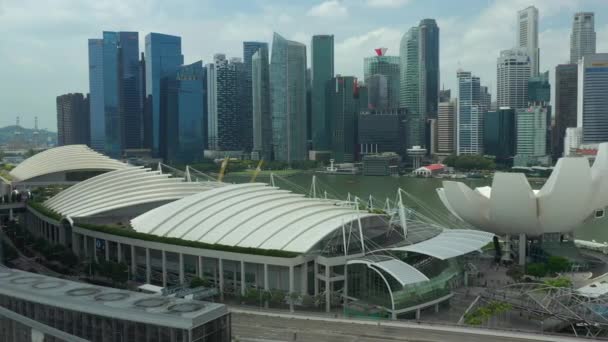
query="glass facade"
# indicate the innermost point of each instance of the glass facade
(96, 89)
(389, 67)
(288, 99)
(262, 119)
(382, 131)
(130, 109)
(592, 91)
(469, 116)
(224, 102)
(342, 107)
(539, 89)
(411, 85)
(163, 57)
(113, 144)
(249, 49)
(322, 70)
(183, 114)
(566, 79)
(499, 134)
(429, 66)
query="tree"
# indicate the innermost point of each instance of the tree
(557, 264)
(559, 282)
(198, 282)
(537, 270)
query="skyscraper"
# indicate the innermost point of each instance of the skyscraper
(377, 93)
(262, 116)
(566, 83)
(410, 85)
(96, 90)
(527, 36)
(513, 72)
(183, 117)
(469, 115)
(582, 38)
(322, 70)
(224, 130)
(428, 32)
(288, 99)
(388, 66)
(445, 95)
(116, 113)
(446, 118)
(499, 134)
(485, 99)
(592, 106)
(539, 89)
(381, 131)
(249, 49)
(73, 124)
(342, 104)
(163, 57)
(531, 139)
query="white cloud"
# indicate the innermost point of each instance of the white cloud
(331, 9)
(387, 3)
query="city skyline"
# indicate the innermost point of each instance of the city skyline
(463, 44)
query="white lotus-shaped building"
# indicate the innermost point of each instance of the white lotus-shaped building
(573, 193)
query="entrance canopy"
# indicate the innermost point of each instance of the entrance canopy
(450, 243)
(404, 273)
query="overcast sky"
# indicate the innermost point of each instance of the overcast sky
(43, 50)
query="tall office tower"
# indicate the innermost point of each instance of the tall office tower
(539, 89)
(566, 83)
(388, 66)
(183, 117)
(322, 70)
(342, 107)
(363, 96)
(485, 99)
(531, 128)
(73, 124)
(592, 106)
(381, 131)
(527, 36)
(446, 119)
(116, 116)
(377, 91)
(469, 115)
(582, 38)
(288, 99)
(499, 135)
(163, 57)
(241, 102)
(224, 130)
(146, 126)
(428, 32)
(513, 72)
(445, 95)
(96, 95)
(249, 49)
(262, 116)
(309, 110)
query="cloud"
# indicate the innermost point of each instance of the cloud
(387, 3)
(330, 9)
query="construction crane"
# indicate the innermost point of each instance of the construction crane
(220, 177)
(257, 170)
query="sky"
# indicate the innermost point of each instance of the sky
(43, 50)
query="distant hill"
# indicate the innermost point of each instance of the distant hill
(7, 135)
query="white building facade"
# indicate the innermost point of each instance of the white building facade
(512, 73)
(527, 36)
(582, 38)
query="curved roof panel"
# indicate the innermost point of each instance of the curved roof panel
(248, 215)
(64, 159)
(121, 189)
(404, 273)
(450, 243)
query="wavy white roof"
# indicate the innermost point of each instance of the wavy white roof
(64, 159)
(450, 243)
(248, 215)
(123, 188)
(404, 273)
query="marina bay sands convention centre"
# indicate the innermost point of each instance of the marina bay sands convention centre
(243, 237)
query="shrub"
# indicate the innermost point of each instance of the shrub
(537, 270)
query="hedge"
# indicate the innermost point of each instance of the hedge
(127, 232)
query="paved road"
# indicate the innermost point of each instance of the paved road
(249, 326)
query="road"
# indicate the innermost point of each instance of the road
(251, 326)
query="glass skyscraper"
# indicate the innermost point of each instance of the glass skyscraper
(539, 89)
(322, 70)
(262, 117)
(183, 115)
(116, 113)
(499, 134)
(565, 104)
(582, 38)
(387, 66)
(469, 115)
(288, 99)
(163, 57)
(592, 114)
(342, 107)
(428, 32)
(249, 49)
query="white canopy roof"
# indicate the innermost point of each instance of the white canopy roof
(64, 159)
(248, 215)
(404, 273)
(450, 243)
(121, 189)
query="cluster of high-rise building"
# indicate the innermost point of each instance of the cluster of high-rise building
(270, 105)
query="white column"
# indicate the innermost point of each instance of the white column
(164, 267)
(291, 287)
(181, 268)
(133, 263)
(221, 278)
(118, 252)
(418, 314)
(316, 271)
(327, 289)
(266, 285)
(148, 266)
(304, 278)
(522, 249)
(107, 249)
(199, 267)
(242, 278)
